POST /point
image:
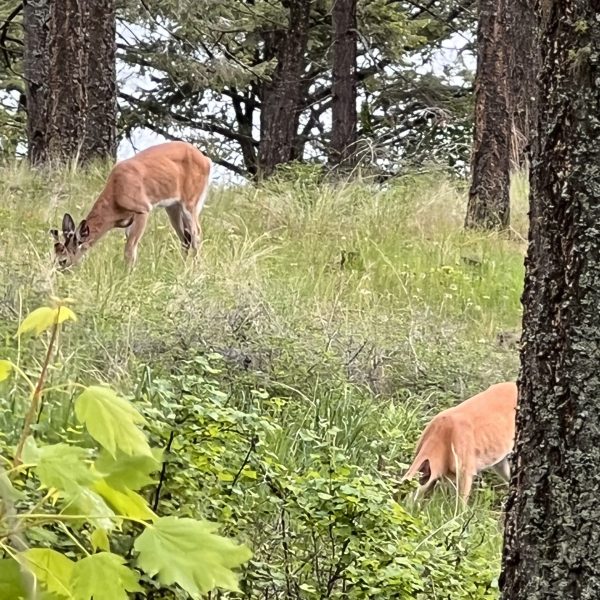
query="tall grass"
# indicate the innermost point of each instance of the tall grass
(369, 308)
(379, 285)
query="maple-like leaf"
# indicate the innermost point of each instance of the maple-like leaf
(111, 421)
(11, 581)
(103, 576)
(52, 568)
(127, 472)
(125, 502)
(59, 466)
(189, 553)
(45, 317)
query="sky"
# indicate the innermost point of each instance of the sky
(132, 82)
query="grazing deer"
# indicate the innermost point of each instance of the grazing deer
(459, 442)
(173, 175)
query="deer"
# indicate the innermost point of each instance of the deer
(172, 175)
(473, 436)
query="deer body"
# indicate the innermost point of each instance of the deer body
(475, 435)
(174, 176)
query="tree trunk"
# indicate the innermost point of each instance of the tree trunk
(69, 65)
(552, 534)
(36, 16)
(523, 66)
(100, 139)
(489, 203)
(282, 96)
(344, 116)
(67, 96)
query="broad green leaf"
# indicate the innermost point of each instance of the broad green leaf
(7, 491)
(89, 503)
(189, 553)
(131, 472)
(100, 540)
(125, 502)
(103, 576)
(5, 369)
(11, 580)
(111, 421)
(59, 466)
(52, 568)
(45, 317)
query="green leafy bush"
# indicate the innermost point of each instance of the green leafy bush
(80, 494)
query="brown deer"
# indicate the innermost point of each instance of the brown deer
(459, 442)
(173, 175)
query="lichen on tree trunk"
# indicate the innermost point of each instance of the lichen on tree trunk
(552, 535)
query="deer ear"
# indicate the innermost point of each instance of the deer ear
(54, 234)
(68, 225)
(83, 231)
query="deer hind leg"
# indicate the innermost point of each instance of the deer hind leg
(192, 228)
(175, 215)
(134, 233)
(465, 470)
(464, 484)
(185, 225)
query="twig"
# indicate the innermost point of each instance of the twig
(244, 463)
(4, 34)
(37, 395)
(163, 473)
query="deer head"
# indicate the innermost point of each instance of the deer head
(69, 251)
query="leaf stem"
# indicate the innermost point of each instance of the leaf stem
(37, 395)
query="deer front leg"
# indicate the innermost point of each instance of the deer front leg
(134, 234)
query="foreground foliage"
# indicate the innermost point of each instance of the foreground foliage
(86, 492)
(280, 384)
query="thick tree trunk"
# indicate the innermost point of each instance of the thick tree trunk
(281, 100)
(523, 66)
(36, 17)
(100, 138)
(552, 535)
(489, 204)
(344, 116)
(67, 96)
(69, 65)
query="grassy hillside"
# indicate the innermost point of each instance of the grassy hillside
(308, 344)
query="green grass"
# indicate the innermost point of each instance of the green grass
(365, 309)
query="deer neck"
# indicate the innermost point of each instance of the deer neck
(100, 220)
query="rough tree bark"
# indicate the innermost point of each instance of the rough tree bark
(36, 16)
(70, 79)
(489, 204)
(67, 90)
(552, 536)
(281, 98)
(344, 86)
(523, 66)
(100, 138)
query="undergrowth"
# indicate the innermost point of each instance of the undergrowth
(288, 371)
